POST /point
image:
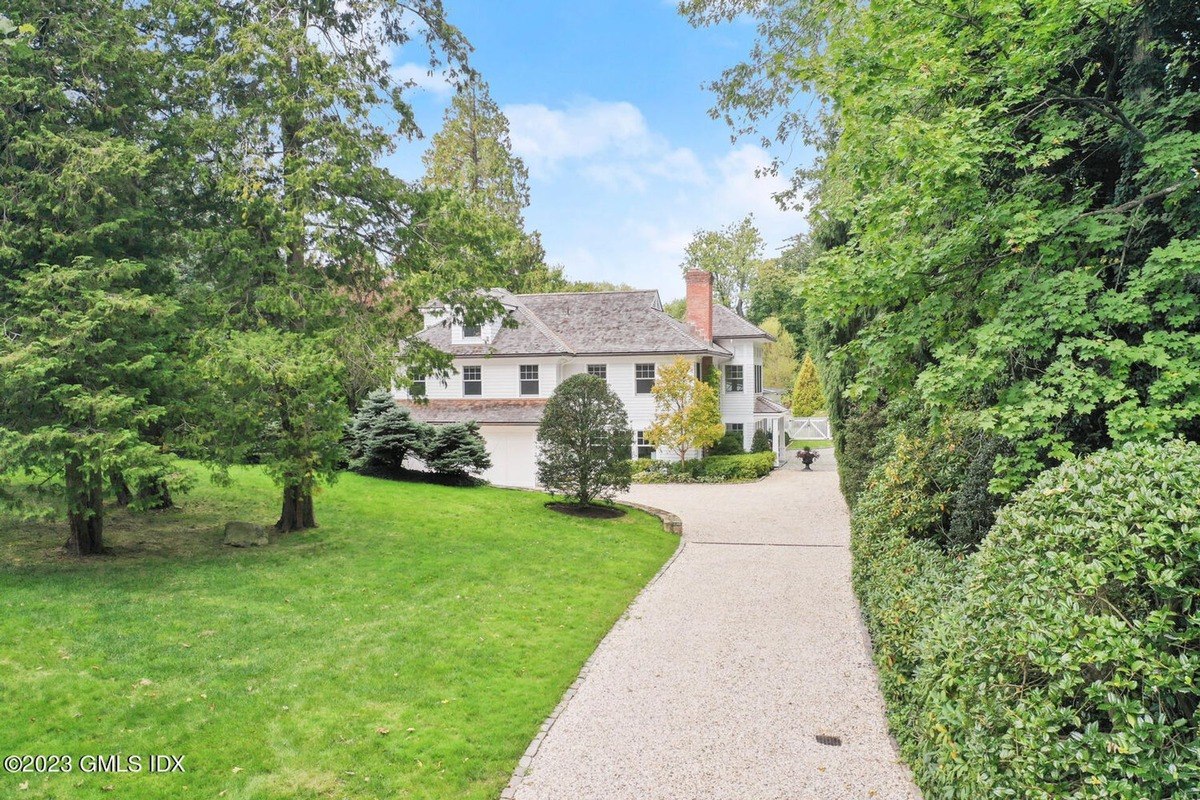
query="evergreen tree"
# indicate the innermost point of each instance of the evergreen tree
(808, 399)
(298, 225)
(472, 156)
(82, 347)
(382, 435)
(457, 450)
(584, 441)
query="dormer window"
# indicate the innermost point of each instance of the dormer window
(472, 331)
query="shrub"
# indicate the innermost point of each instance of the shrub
(584, 441)
(974, 505)
(1069, 667)
(761, 443)
(456, 450)
(857, 441)
(728, 445)
(751, 466)
(901, 575)
(713, 469)
(382, 434)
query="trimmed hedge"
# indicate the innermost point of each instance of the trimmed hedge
(1070, 666)
(1060, 660)
(713, 469)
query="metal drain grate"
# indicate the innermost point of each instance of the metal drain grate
(832, 741)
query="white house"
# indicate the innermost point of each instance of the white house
(504, 375)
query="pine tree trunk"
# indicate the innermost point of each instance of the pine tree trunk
(155, 495)
(297, 513)
(120, 488)
(85, 510)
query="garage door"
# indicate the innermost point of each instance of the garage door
(512, 448)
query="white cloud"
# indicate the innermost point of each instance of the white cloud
(545, 137)
(616, 200)
(421, 77)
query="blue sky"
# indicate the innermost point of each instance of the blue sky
(606, 106)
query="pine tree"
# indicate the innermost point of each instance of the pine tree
(472, 157)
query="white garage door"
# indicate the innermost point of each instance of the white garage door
(512, 448)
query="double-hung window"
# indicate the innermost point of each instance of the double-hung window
(416, 387)
(735, 427)
(758, 378)
(599, 370)
(734, 378)
(529, 379)
(472, 331)
(643, 378)
(643, 448)
(472, 381)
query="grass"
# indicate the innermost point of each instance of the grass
(410, 647)
(814, 444)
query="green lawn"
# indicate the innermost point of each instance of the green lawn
(814, 444)
(410, 647)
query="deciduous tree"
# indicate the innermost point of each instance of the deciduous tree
(687, 410)
(733, 255)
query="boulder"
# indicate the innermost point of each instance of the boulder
(246, 534)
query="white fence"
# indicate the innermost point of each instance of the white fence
(809, 428)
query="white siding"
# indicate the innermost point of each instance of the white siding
(500, 377)
(739, 406)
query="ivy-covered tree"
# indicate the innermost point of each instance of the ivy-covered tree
(82, 350)
(584, 441)
(687, 410)
(733, 255)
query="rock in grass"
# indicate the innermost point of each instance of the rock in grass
(246, 534)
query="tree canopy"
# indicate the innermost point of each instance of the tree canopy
(687, 410)
(584, 441)
(1006, 213)
(733, 255)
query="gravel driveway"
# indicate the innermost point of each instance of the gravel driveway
(748, 646)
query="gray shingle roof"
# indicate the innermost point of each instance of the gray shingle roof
(494, 411)
(765, 405)
(579, 323)
(727, 324)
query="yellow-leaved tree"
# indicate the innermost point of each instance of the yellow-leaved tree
(808, 398)
(687, 410)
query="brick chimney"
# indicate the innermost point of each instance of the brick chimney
(699, 302)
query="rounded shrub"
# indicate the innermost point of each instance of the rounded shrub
(583, 441)
(761, 443)
(1070, 665)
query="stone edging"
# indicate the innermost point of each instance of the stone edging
(671, 524)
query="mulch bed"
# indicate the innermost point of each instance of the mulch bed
(588, 511)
